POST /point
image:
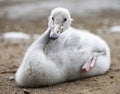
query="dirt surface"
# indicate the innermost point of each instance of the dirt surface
(11, 55)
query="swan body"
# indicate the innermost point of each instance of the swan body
(60, 54)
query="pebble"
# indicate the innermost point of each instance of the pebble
(26, 91)
(11, 78)
(115, 29)
(15, 36)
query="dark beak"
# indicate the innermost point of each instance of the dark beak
(55, 32)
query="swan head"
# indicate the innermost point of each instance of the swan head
(59, 21)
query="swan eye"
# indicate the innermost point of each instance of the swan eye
(65, 19)
(52, 18)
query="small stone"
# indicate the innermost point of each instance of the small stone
(15, 37)
(26, 91)
(59, 88)
(111, 77)
(11, 78)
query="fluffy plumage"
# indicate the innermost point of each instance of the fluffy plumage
(48, 61)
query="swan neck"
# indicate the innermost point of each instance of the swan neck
(43, 40)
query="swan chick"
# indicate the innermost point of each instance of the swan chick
(62, 53)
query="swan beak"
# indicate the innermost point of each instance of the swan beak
(55, 32)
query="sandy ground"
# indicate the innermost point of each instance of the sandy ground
(11, 55)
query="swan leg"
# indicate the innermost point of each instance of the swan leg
(89, 64)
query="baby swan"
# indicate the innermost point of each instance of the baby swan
(62, 53)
